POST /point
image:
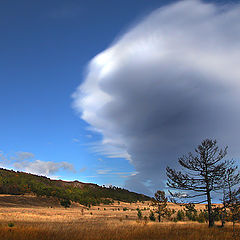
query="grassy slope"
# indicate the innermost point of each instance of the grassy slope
(12, 182)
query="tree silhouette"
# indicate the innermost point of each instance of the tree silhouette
(160, 201)
(202, 173)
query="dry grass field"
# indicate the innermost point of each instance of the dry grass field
(33, 221)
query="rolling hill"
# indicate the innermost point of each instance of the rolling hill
(20, 183)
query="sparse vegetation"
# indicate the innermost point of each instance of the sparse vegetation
(37, 223)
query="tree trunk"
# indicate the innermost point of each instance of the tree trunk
(210, 213)
(223, 215)
(159, 213)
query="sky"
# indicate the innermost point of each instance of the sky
(111, 92)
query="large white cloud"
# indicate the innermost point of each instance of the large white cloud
(163, 86)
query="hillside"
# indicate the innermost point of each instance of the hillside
(19, 183)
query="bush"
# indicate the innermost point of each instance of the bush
(11, 224)
(191, 212)
(65, 203)
(180, 215)
(125, 209)
(175, 220)
(192, 216)
(201, 217)
(152, 217)
(139, 214)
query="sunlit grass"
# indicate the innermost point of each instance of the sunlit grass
(107, 222)
(113, 230)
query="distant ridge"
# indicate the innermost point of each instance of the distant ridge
(19, 183)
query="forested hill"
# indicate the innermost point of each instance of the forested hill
(16, 183)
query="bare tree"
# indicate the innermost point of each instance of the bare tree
(161, 202)
(202, 174)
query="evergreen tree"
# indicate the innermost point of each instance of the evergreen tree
(202, 173)
(160, 201)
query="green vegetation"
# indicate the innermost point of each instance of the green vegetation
(17, 183)
(139, 214)
(180, 215)
(65, 203)
(11, 224)
(152, 217)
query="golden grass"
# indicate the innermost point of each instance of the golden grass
(99, 223)
(112, 230)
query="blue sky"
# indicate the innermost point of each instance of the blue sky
(45, 50)
(45, 47)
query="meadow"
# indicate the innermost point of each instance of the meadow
(19, 220)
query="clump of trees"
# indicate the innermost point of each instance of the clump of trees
(203, 173)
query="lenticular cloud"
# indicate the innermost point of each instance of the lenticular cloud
(163, 86)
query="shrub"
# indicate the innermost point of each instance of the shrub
(175, 220)
(125, 209)
(180, 215)
(201, 217)
(65, 203)
(152, 217)
(11, 224)
(139, 214)
(191, 212)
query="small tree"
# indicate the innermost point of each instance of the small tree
(191, 212)
(139, 214)
(203, 172)
(180, 215)
(160, 201)
(152, 217)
